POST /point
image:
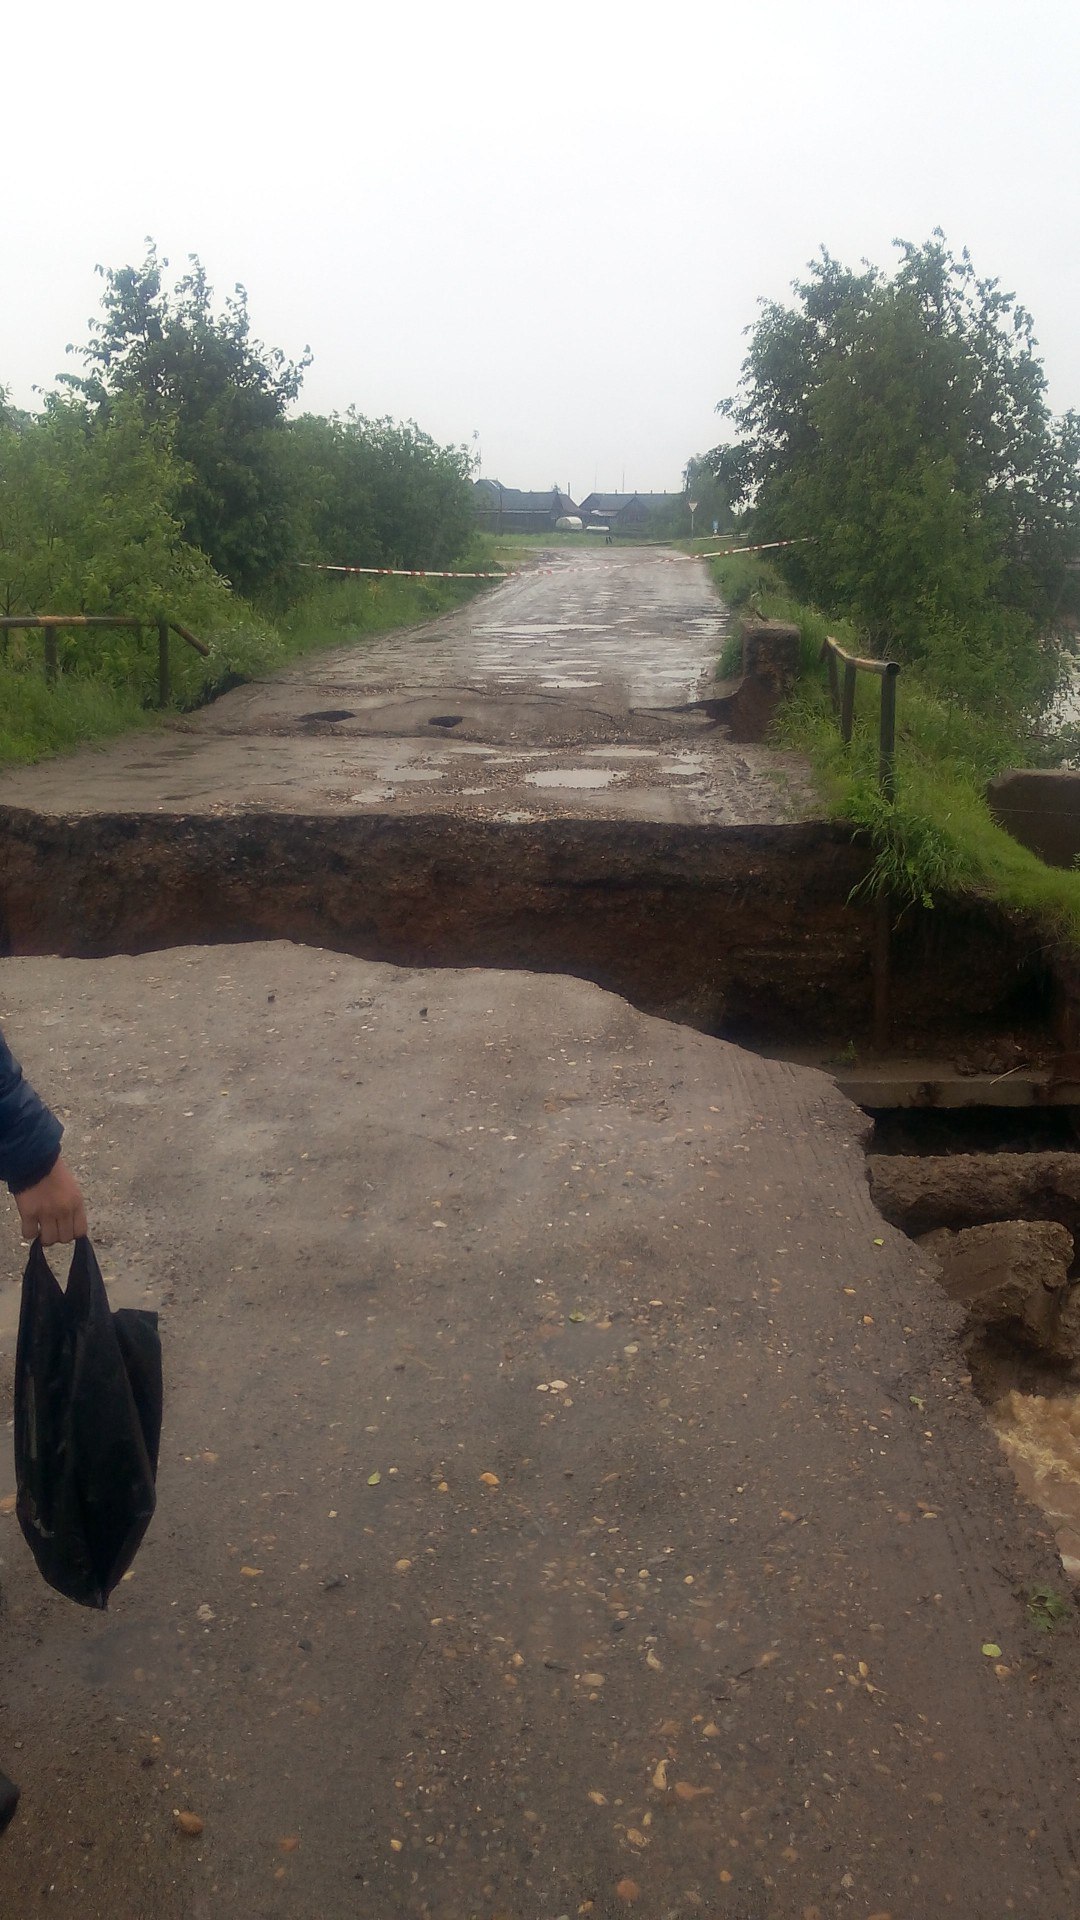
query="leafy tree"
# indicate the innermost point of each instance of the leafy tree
(380, 492)
(421, 498)
(88, 524)
(225, 395)
(713, 496)
(88, 519)
(901, 426)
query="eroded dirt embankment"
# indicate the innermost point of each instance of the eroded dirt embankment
(750, 930)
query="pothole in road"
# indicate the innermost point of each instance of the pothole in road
(446, 720)
(328, 714)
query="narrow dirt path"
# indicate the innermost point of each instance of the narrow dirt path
(570, 1499)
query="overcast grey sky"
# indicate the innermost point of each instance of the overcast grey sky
(548, 224)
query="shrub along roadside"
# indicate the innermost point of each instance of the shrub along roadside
(939, 837)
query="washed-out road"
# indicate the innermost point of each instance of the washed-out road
(572, 1500)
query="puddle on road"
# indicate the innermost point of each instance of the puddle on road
(542, 630)
(688, 766)
(1041, 1438)
(574, 777)
(400, 773)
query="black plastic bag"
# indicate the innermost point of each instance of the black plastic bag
(87, 1426)
(9, 1800)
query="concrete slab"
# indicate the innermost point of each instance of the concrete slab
(570, 1502)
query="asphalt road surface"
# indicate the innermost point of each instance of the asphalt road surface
(571, 1501)
(568, 691)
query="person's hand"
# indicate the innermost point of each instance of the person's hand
(54, 1208)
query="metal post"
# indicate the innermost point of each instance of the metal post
(163, 663)
(887, 764)
(52, 656)
(847, 709)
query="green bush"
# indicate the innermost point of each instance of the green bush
(938, 838)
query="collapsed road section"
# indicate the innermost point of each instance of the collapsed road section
(749, 931)
(545, 779)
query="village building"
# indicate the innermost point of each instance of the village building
(634, 512)
(502, 509)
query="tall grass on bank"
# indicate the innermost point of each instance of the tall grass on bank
(108, 684)
(938, 838)
(340, 608)
(37, 720)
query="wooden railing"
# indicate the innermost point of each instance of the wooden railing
(843, 699)
(842, 690)
(51, 622)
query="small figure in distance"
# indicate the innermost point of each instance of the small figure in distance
(44, 1188)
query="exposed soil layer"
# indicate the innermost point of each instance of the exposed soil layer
(968, 1190)
(749, 930)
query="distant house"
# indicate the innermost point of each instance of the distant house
(634, 512)
(502, 509)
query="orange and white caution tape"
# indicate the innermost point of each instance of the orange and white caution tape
(763, 546)
(403, 573)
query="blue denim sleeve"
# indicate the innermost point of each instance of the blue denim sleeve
(29, 1133)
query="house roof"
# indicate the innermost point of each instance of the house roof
(518, 500)
(617, 502)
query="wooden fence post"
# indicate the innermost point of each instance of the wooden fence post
(847, 709)
(887, 762)
(163, 663)
(834, 677)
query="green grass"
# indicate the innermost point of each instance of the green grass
(108, 685)
(939, 837)
(1048, 1608)
(512, 550)
(340, 609)
(37, 720)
